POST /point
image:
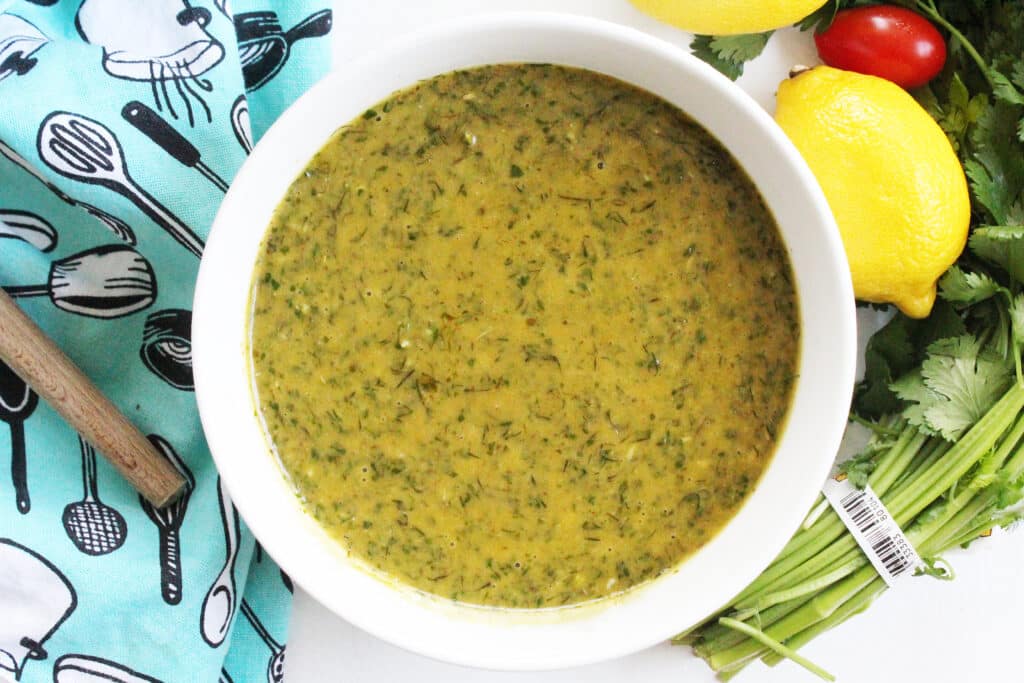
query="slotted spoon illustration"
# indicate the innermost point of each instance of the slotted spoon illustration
(80, 148)
(113, 223)
(94, 527)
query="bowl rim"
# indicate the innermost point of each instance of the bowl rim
(510, 639)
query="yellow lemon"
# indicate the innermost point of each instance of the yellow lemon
(726, 17)
(890, 175)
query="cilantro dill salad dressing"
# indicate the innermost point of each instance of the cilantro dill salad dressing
(523, 336)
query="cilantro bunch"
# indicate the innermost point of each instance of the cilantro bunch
(943, 396)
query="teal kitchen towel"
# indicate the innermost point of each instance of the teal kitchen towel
(121, 124)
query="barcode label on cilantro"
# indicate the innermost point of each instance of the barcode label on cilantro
(874, 529)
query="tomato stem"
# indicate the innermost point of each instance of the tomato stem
(928, 8)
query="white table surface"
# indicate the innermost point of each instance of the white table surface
(926, 630)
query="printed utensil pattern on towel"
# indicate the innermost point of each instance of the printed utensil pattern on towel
(168, 523)
(17, 403)
(94, 528)
(275, 667)
(80, 148)
(220, 601)
(28, 227)
(285, 579)
(264, 46)
(114, 224)
(152, 173)
(35, 599)
(167, 347)
(240, 123)
(19, 41)
(73, 668)
(105, 282)
(158, 41)
(149, 123)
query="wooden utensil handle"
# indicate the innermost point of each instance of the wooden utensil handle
(42, 365)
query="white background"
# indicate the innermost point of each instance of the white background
(926, 630)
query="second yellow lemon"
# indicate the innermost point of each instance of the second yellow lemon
(726, 17)
(890, 175)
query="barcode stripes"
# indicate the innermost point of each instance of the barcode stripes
(879, 539)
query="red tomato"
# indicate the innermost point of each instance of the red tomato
(883, 40)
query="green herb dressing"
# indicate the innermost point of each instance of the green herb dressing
(524, 335)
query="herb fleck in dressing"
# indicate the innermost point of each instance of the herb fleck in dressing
(524, 335)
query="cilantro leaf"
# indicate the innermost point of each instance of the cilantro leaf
(889, 354)
(1016, 314)
(729, 54)
(956, 384)
(1000, 245)
(895, 350)
(821, 18)
(1004, 89)
(858, 468)
(1008, 492)
(960, 287)
(943, 323)
(996, 170)
(958, 113)
(1016, 311)
(935, 567)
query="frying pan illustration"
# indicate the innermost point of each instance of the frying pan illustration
(17, 403)
(167, 347)
(264, 47)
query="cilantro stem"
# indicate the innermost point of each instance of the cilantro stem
(857, 604)
(778, 647)
(889, 470)
(959, 507)
(821, 606)
(971, 448)
(875, 427)
(943, 494)
(808, 543)
(750, 608)
(820, 507)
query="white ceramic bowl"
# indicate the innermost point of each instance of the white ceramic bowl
(539, 639)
